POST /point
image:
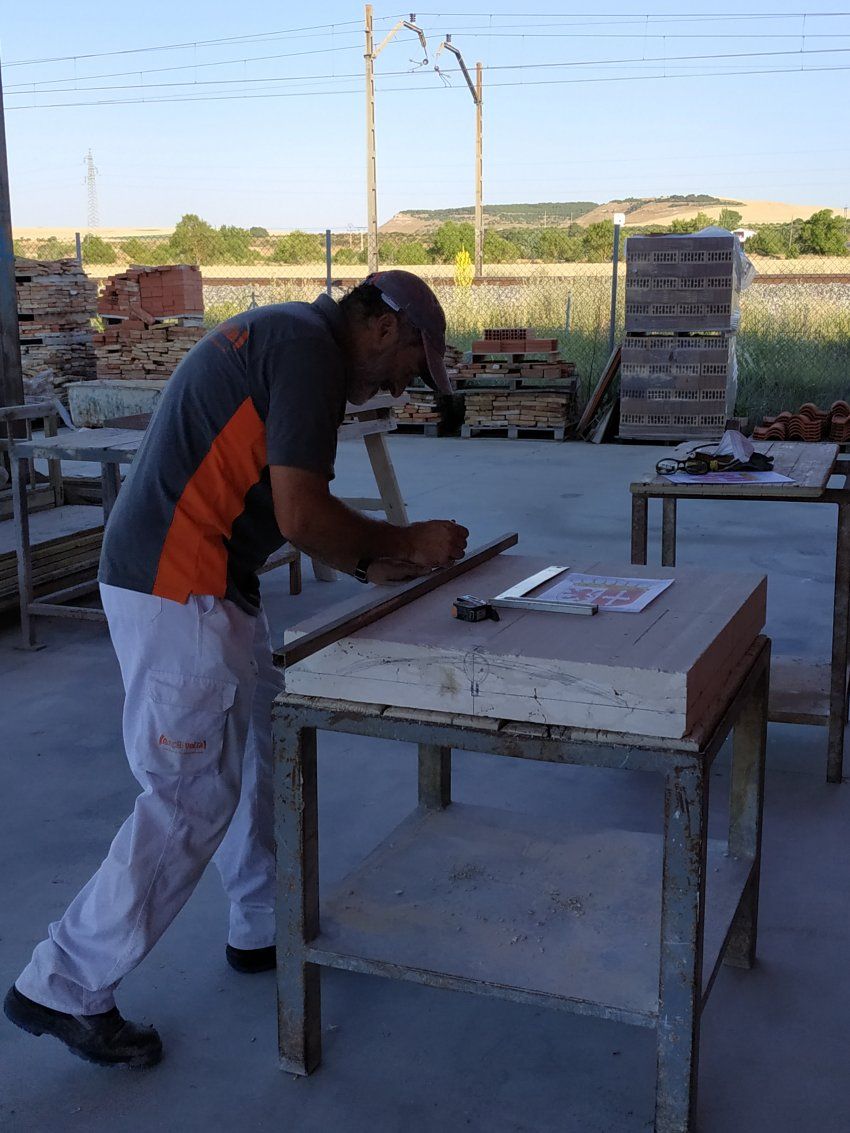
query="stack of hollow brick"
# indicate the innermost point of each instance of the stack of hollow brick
(136, 342)
(678, 374)
(56, 303)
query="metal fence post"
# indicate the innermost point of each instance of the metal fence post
(79, 244)
(328, 280)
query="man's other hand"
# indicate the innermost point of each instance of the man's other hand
(436, 543)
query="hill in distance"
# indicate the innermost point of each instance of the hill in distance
(640, 211)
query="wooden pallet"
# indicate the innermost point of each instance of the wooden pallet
(515, 432)
(419, 428)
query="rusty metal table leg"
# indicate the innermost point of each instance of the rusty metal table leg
(435, 776)
(668, 531)
(746, 803)
(110, 482)
(640, 507)
(680, 976)
(299, 1009)
(840, 629)
(23, 548)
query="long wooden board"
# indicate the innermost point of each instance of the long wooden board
(353, 617)
(657, 673)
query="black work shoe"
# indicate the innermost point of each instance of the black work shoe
(252, 960)
(106, 1038)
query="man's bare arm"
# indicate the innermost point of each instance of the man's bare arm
(324, 527)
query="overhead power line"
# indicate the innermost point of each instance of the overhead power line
(178, 46)
(661, 59)
(410, 89)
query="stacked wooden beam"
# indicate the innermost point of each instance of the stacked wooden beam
(65, 560)
(516, 411)
(132, 351)
(421, 413)
(56, 303)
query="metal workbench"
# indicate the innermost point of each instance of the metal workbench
(801, 693)
(624, 925)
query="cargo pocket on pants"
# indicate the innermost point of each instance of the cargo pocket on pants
(181, 723)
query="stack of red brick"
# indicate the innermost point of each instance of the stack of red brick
(809, 423)
(137, 343)
(153, 293)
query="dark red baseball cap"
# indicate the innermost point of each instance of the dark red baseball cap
(404, 291)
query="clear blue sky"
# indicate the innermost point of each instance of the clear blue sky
(272, 133)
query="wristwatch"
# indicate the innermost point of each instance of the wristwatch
(362, 570)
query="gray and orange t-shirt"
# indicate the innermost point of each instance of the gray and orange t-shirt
(195, 515)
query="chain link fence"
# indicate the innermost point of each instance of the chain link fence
(793, 343)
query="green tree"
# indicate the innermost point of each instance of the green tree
(499, 250)
(691, 224)
(96, 250)
(768, 241)
(556, 245)
(411, 253)
(148, 253)
(194, 241)
(730, 219)
(299, 248)
(598, 241)
(55, 249)
(256, 231)
(233, 246)
(823, 234)
(453, 237)
(346, 256)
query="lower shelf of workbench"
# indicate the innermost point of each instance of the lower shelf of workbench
(513, 905)
(799, 692)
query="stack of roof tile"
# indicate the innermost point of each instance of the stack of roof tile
(809, 423)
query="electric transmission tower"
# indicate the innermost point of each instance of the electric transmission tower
(91, 186)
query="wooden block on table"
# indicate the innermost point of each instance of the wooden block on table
(657, 673)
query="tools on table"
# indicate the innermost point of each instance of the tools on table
(468, 608)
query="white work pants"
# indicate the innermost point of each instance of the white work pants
(199, 684)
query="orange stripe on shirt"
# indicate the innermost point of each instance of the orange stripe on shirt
(194, 557)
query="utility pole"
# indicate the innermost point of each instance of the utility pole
(371, 172)
(476, 90)
(11, 377)
(91, 192)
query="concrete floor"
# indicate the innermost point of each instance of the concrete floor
(775, 1040)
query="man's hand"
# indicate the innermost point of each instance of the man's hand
(436, 543)
(385, 572)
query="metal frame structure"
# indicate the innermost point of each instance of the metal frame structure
(694, 937)
(800, 693)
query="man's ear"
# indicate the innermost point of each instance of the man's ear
(386, 328)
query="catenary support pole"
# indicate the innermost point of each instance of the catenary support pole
(371, 175)
(479, 175)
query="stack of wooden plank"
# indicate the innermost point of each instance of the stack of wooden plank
(62, 561)
(516, 412)
(132, 351)
(421, 413)
(56, 303)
